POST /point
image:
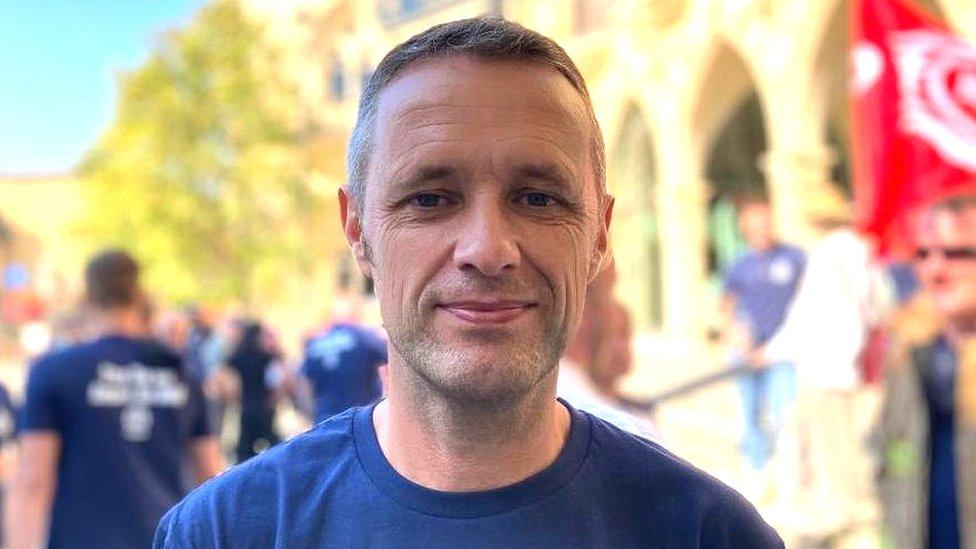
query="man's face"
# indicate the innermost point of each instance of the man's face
(482, 224)
(756, 224)
(946, 262)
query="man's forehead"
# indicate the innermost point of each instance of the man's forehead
(949, 225)
(463, 81)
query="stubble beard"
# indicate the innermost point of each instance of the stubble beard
(451, 373)
(460, 375)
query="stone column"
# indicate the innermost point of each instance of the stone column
(682, 208)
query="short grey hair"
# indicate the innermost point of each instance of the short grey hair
(485, 37)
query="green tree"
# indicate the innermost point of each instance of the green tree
(203, 172)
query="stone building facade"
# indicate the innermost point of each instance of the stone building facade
(698, 100)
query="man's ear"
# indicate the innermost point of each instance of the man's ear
(602, 248)
(353, 229)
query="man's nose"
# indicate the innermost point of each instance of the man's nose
(487, 240)
(931, 267)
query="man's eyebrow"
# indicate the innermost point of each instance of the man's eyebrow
(550, 173)
(425, 174)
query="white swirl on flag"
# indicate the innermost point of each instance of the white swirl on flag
(867, 63)
(937, 83)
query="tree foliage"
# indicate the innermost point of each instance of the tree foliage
(203, 172)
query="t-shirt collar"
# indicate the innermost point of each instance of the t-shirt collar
(471, 504)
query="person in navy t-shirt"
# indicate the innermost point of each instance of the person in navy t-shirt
(341, 367)
(481, 221)
(254, 358)
(759, 289)
(107, 428)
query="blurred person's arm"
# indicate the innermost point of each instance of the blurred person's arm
(38, 427)
(726, 311)
(733, 334)
(304, 397)
(32, 491)
(207, 460)
(204, 450)
(282, 377)
(223, 385)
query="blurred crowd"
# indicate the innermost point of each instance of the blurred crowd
(857, 379)
(245, 373)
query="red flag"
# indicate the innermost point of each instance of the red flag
(913, 115)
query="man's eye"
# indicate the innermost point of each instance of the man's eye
(537, 200)
(427, 200)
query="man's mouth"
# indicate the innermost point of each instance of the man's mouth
(487, 312)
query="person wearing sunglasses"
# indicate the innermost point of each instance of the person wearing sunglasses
(928, 423)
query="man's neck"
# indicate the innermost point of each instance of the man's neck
(762, 247)
(442, 446)
(123, 321)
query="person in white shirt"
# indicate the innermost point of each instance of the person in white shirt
(825, 331)
(599, 355)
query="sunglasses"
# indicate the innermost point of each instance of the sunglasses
(950, 253)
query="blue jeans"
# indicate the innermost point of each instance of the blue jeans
(766, 394)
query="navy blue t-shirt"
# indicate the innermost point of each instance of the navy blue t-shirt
(333, 487)
(763, 284)
(342, 367)
(126, 414)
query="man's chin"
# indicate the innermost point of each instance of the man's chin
(488, 379)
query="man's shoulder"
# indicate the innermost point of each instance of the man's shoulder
(259, 484)
(649, 461)
(326, 442)
(63, 355)
(57, 361)
(741, 268)
(664, 483)
(99, 349)
(795, 253)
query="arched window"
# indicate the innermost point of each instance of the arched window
(634, 231)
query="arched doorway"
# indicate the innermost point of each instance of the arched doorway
(733, 171)
(732, 140)
(634, 232)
